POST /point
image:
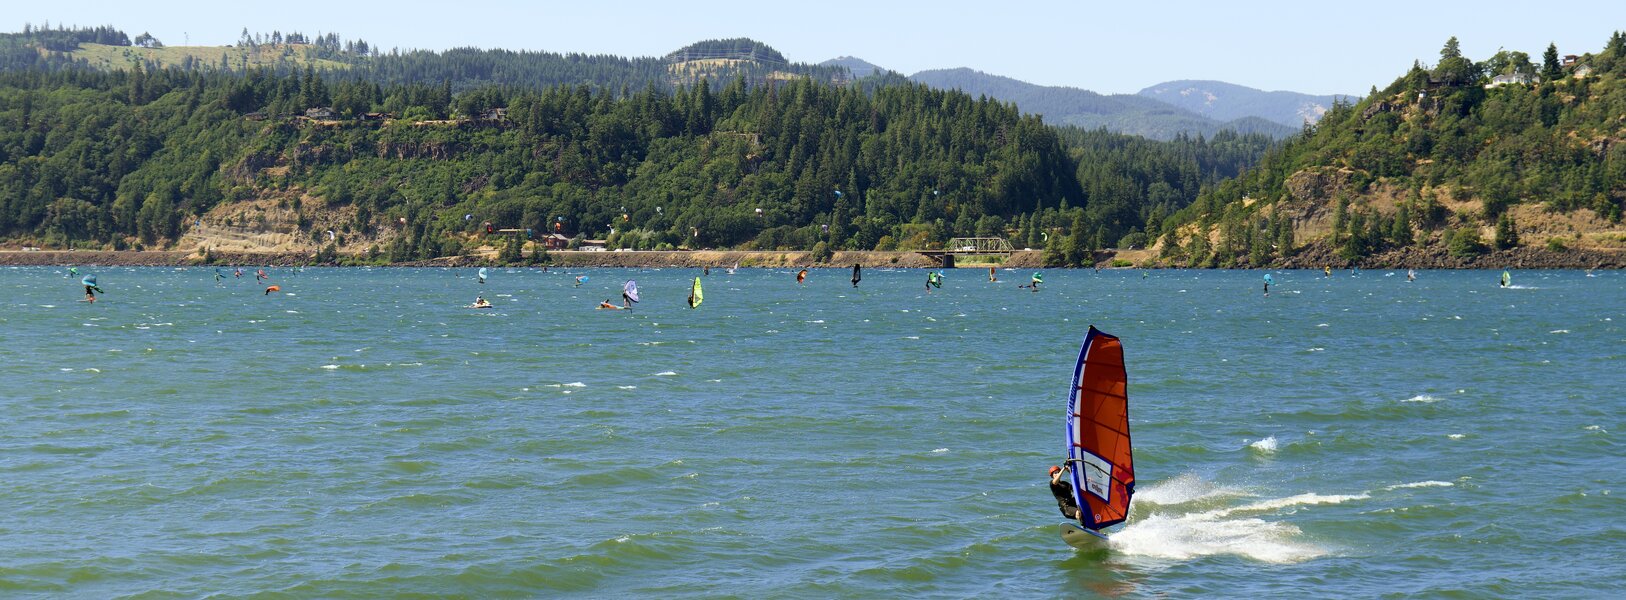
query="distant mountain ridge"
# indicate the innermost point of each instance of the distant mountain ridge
(1123, 113)
(1227, 101)
(859, 67)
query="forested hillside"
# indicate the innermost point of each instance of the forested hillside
(115, 159)
(126, 158)
(108, 49)
(1462, 158)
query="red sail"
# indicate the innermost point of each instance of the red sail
(1103, 467)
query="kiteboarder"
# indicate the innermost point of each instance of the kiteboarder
(1063, 493)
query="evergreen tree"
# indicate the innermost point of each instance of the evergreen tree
(1550, 69)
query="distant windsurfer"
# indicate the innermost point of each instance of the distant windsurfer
(1327, 270)
(260, 276)
(579, 279)
(1411, 275)
(991, 277)
(858, 274)
(1033, 283)
(1063, 492)
(802, 276)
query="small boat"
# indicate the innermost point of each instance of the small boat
(1101, 465)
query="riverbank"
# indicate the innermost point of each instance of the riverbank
(1313, 257)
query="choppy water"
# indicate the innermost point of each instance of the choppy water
(362, 435)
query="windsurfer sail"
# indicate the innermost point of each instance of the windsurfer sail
(1268, 280)
(1507, 278)
(802, 276)
(858, 274)
(482, 275)
(695, 296)
(992, 278)
(1101, 463)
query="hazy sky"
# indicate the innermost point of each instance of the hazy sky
(1111, 47)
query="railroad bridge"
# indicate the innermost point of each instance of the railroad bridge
(969, 246)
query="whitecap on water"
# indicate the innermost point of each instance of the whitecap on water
(1419, 484)
(911, 337)
(940, 450)
(1266, 446)
(1456, 436)
(574, 384)
(1424, 398)
(1559, 331)
(626, 387)
(330, 367)
(666, 373)
(1305, 499)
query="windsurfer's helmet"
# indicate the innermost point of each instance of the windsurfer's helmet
(1054, 469)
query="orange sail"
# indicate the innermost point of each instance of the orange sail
(1103, 467)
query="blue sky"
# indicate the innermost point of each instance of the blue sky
(1116, 47)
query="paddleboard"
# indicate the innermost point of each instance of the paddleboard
(1081, 538)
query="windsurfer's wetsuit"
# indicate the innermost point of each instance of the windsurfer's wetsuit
(1063, 492)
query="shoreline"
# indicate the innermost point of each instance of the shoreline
(1312, 257)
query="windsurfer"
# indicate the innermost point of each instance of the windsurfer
(1063, 493)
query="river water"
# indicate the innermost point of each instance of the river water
(362, 434)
